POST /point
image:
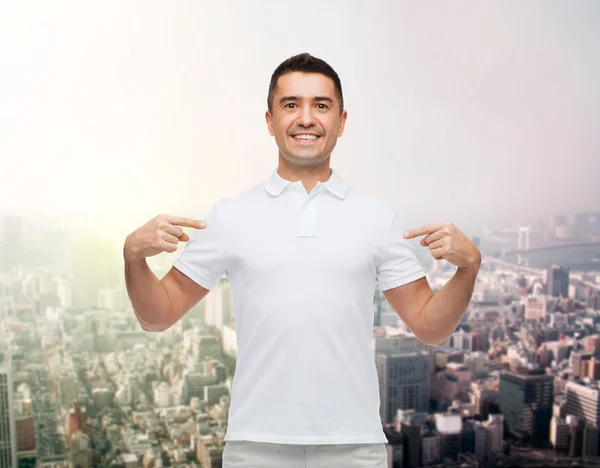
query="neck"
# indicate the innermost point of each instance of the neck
(309, 175)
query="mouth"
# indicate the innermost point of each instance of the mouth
(305, 138)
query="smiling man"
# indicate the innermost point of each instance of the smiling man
(304, 253)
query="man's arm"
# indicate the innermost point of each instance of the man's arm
(433, 318)
(149, 298)
(158, 304)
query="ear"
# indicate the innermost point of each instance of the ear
(343, 118)
(269, 120)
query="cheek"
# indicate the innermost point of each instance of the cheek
(281, 127)
(332, 126)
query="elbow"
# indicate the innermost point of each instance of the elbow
(431, 340)
(435, 343)
(150, 327)
(442, 343)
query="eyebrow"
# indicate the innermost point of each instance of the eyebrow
(285, 99)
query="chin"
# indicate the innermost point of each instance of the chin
(306, 160)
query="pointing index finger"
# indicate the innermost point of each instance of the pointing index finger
(186, 222)
(430, 228)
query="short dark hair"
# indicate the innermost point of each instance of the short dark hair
(308, 64)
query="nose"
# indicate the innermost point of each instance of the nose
(305, 117)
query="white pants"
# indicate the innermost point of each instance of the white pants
(250, 454)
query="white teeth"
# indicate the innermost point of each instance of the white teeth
(306, 137)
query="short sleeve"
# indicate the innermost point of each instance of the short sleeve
(202, 257)
(399, 265)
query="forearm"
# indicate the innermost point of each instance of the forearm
(149, 298)
(444, 310)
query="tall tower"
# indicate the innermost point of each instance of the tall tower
(523, 244)
(12, 244)
(557, 281)
(8, 437)
(95, 267)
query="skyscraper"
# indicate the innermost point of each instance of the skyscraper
(219, 305)
(95, 267)
(557, 280)
(583, 401)
(526, 398)
(8, 438)
(403, 382)
(12, 244)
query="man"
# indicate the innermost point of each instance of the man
(303, 253)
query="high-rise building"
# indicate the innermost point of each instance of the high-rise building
(449, 427)
(590, 369)
(95, 268)
(462, 340)
(77, 422)
(81, 452)
(430, 447)
(526, 398)
(412, 426)
(403, 382)
(591, 344)
(219, 305)
(535, 309)
(384, 342)
(577, 358)
(560, 432)
(557, 281)
(523, 243)
(8, 437)
(378, 300)
(591, 436)
(583, 401)
(12, 244)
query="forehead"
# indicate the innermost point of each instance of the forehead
(305, 85)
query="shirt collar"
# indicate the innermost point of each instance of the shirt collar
(275, 184)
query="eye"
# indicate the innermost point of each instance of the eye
(290, 104)
(322, 106)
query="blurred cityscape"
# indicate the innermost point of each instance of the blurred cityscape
(82, 385)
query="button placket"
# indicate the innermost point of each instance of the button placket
(307, 225)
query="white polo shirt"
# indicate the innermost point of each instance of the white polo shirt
(303, 270)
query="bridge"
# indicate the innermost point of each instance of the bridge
(569, 245)
(540, 272)
(514, 266)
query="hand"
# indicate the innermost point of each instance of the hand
(160, 234)
(446, 241)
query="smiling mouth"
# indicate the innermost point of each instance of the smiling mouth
(306, 137)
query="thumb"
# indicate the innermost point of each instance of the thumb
(184, 237)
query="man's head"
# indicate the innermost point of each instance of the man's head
(305, 109)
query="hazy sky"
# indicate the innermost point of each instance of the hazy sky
(478, 112)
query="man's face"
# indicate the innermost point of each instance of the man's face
(306, 120)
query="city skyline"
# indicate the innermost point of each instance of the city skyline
(91, 386)
(482, 114)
